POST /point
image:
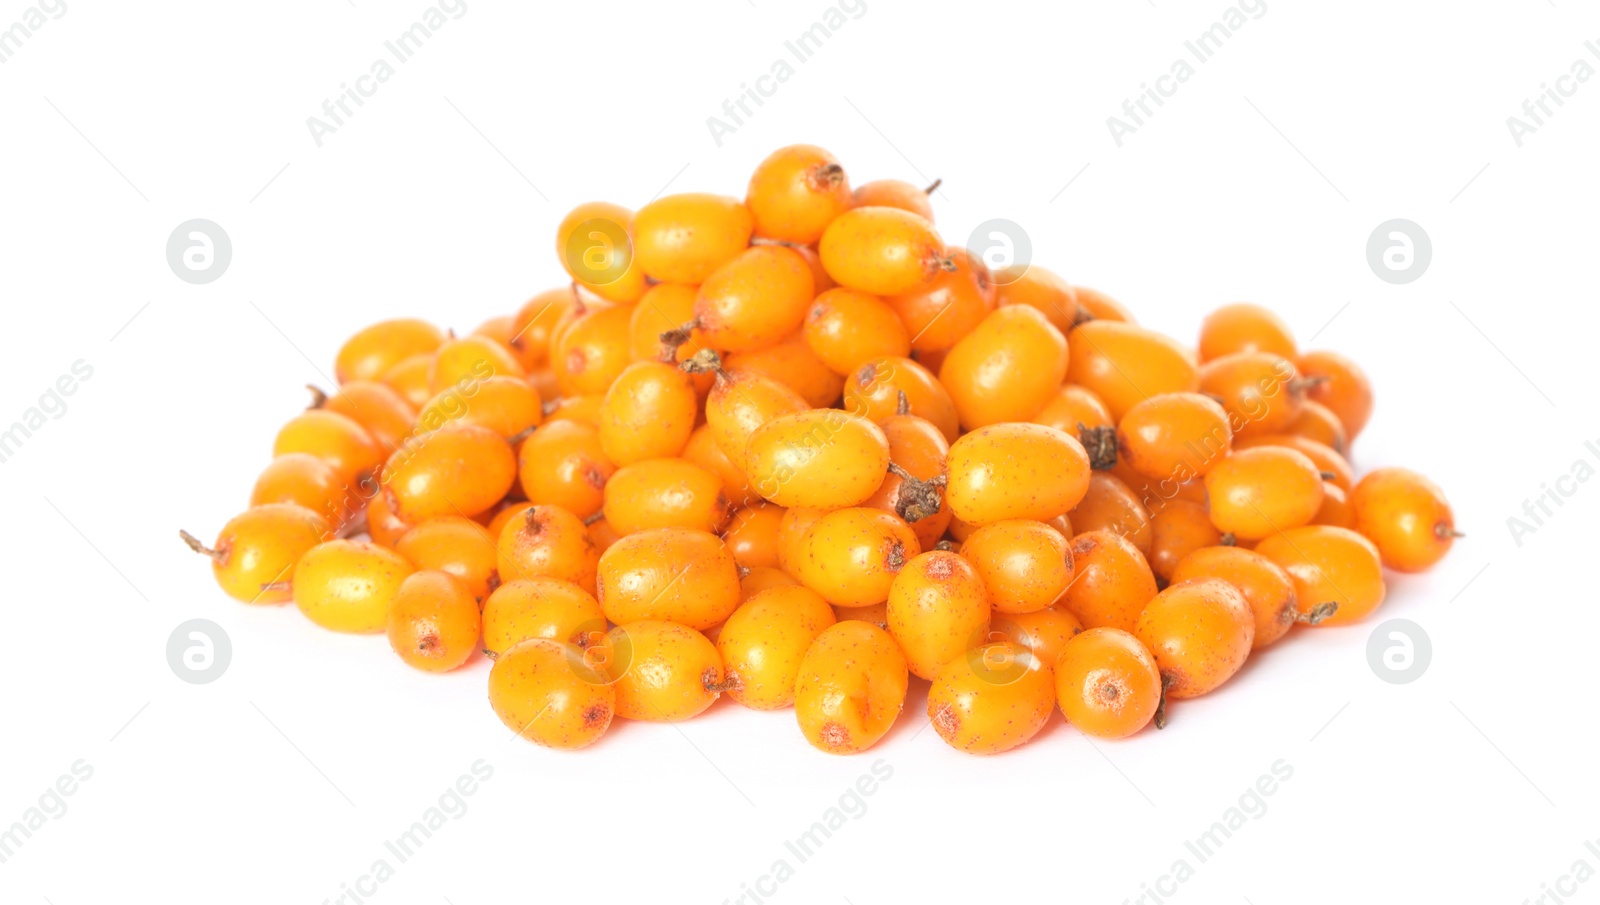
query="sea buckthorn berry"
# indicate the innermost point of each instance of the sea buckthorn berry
(547, 542)
(383, 525)
(595, 347)
(796, 192)
(1015, 471)
(385, 414)
(1025, 565)
(1318, 422)
(876, 388)
(648, 413)
(937, 610)
(1100, 307)
(375, 349)
(1243, 327)
(564, 464)
(760, 578)
(1262, 391)
(543, 692)
(347, 585)
(895, 193)
(593, 245)
(791, 362)
(752, 536)
(851, 556)
(1041, 290)
(740, 402)
(305, 480)
(1342, 386)
(820, 281)
(465, 360)
(1334, 467)
(457, 546)
(1329, 565)
(255, 553)
(764, 641)
(881, 250)
(507, 406)
(1200, 634)
(665, 308)
(1073, 408)
(754, 300)
(916, 448)
(460, 469)
(1175, 435)
(1178, 529)
(1256, 492)
(581, 409)
(702, 450)
(991, 699)
(665, 493)
(1045, 632)
(1335, 509)
(1107, 683)
(333, 438)
(851, 687)
(847, 329)
(876, 614)
(409, 378)
(1266, 587)
(500, 329)
(665, 672)
(820, 459)
(534, 324)
(1006, 369)
(684, 238)
(1109, 505)
(792, 536)
(1112, 581)
(940, 311)
(673, 574)
(539, 608)
(1406, 517)
(1124, 364)
(434, 624)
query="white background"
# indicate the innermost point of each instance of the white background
(1260, 179)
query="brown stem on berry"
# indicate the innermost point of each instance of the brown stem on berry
(902, 403)
(945, 263)
(275, 586)
(744, 572)
(1167, 682)
(729, 683)
(595, 518)
(672, 339)
(705, 361)
(1302, 385)
(897, 557)
(826, 176)
(1101, 445)
(918, 499)
(522, 435)
(493, 655)
(1081, 315)
(1229, 539)
(1447, 531)
(1318, 613)
(933, 186)
(196, 546)
(1329, 476)
(945, 544)
(318, 397)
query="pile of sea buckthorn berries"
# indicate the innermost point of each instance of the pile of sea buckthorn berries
(795, 449)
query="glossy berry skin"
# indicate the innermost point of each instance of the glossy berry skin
(847, 329)
(1107, 683)
(589, 352)
(535, 321)
(754, 300)
(1039, 289)
(851, 687)
(505, 405)
(460, 469)
(663, 672)
(881, 250)
(1178, 529)
(1266, 587)
(669, 574)
(1243, 327)
(1335, 509)
(375, 349)
(592, 245)
(383, 412)
(752, 536)
(796, 192)
(665, 493)
(1329, 565)
(1025, 565)
(1045, 632)
(1328, 461)
(1111, 506)
(791, 362)
(664, 307)
(434, 624)
(1113, 582)
(920, 448)
(684, 238)
(409, 378)
(547, 542)
(1318, 422)
(893, 193)
(792, 530)
(458, 546)
(991, 699)
(1200, 634)
(1406, 517)
(1261, 391)
(740, 402)
(874, 389)
(852, 556)
(1015, 471)
(539, 608)
(564, 464)
(1072, 408)
(305, 480)
(1124, 364)
(1257, 492)
(461, 362)
(1006, 369)
(818, 459)
(763, 643)
(543, 691)
(333, 438)
(260, 547)
(347, 585)
(937, 610)
(949, 305)
(1175, 435)
(702, 450)
(1346, 390)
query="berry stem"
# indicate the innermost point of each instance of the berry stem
(918, 499)
(195, 545)
(933, 186)
(1101, 445)
(318, 397)
(1318, 613)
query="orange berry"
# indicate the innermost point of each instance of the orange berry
(376, 349)
(1025, 565)
(754, 300)
(385, 414)
(674, 574)
(919, 449)
(1073, 408)
(1266, 587)
(305, 480)
(1406, 517)
(506, 406)
(1200, 634)
(702, 450)
(851, 687)
(254, 556)
(1333, 466)
(665, 307)
(383, 525)
(1124, 364)
(937, 610)
(543, 691)
(752, 536)
(1107, 683)
(1112, 582)
(564, 464)
(991, 699)
(539, 608)
(1175, 435)
(459, 547)
(1329, 565)
(334, 439)
(1256, 492)
(460, 469)
(1101, 307)
(648, 413)
(874, 391)
(684, 238)
(791, 362)
(792, 535)
(665, 493)
(465, 360)
(665, 672)
(949, 305)
(591, 350)
(1176, 530)
(1261, 391)
(1243, 327)
(1045, 632)
(1041, 290)
(1335, 509)
(347, 585)
(1318, 422)
(1015, 471)
(796, 192)
(881, 250)
(1109, 505)
(593, 245)
(547, 542)
(763, 643)
(434, 623)
(847, 329)
(851, 556)
(409, 378)
(535, 322)
(760, 578)
(740, 402)
(818, 459)
(895, 193)
(1341, 386)
(1006, 369)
